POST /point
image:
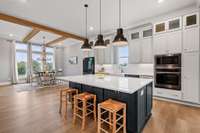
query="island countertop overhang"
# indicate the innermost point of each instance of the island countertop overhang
(115, 83)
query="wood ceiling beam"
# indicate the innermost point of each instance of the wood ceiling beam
(30, 35)
(60, 39)
(40, 27)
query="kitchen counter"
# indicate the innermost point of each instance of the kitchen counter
(116, 83)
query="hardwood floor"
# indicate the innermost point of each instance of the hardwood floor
(37, 111)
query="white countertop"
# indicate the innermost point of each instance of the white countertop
(116, 83)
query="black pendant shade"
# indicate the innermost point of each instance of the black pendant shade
(86, 46)
(100, 43)
(119, 39)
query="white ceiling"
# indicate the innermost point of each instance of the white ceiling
(38, 38)
(18, 32)
(68, 15)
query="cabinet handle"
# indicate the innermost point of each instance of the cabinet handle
(142, 93)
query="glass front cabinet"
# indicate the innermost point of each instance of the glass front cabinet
(191, 20)
(160, 27)
(174, 24)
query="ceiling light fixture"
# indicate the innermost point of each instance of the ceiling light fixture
(160, 1)
(10, 35)
(86, 46)
(100, 43)
(119, 39)
(91, 28)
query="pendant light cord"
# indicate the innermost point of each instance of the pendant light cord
(100, 16)
(86, 21)
(119, 13)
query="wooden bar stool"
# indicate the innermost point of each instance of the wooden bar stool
(66, 94)
(112, 113)
(84, 105)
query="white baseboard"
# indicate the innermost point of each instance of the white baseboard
(5, 83)
(177, 101)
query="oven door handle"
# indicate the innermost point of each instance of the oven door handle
(168, 73)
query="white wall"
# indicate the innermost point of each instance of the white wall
(5, 61)
(73, 69)
(59, 59)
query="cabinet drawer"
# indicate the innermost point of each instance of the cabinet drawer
(168, 93)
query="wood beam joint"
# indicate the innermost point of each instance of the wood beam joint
(60, 39)
(30, 35)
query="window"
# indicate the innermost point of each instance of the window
(36, 62)
(21, 58)
(123, 56)
(37, 58)
(50, 62)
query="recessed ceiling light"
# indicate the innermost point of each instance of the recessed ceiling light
(10, 35)
(160, 1)
(91, 28)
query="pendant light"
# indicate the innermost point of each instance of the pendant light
(99, 44)
(119, 39)
(43, 55)
(86, 46)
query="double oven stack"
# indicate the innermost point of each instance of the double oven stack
(168, 71)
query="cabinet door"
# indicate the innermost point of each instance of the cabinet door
(191, 20)
(100, 55)
(160, 27)
(135, 51)
(174, 42)
(190, 80)
(108, 54)
(191, 39)
(174, 24)
(160, 44)
(141, 108)
(149, 99)
(147, 53)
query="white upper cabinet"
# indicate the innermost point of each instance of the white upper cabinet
(191, 39)
(170, 42)
(147, 46)
(160, 27)
(160, 44)
(174, 42)
(146, 52)
(168, 25)
(174, 24)
(190, 77)
(140, 46)
(191, 20)
(135, 47)
(147, 33)
(135, 51)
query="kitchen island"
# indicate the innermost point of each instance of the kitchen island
(135, 92)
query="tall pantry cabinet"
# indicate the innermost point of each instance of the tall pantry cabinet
(190, 59)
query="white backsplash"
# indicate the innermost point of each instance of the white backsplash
(137, 69)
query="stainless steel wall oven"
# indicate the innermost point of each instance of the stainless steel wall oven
(168, 71)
